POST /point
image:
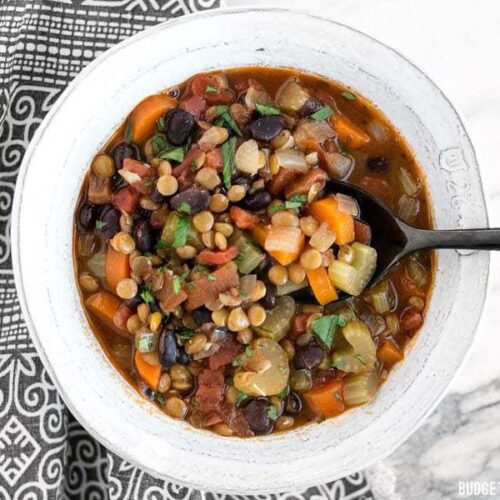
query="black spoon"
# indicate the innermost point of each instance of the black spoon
(393, 239)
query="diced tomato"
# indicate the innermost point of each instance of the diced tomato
(376, 186)
(213, 159)
(210, 88)
(235, 419)
(362, 232)
(281, 180)
(196, 105)
(229, 349)
(121, 316)
(210, 392)
(216, 258)
(242, 218)
(138, 167)
(299, 326)
(410, 320)
(167, 296)
(126, 199)
(184, 171)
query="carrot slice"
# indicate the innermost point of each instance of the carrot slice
(349, 133)
(259, 234)
(389, 352)
(107, 309)
(321, 285)
(242, 218)
(143, 118)
(327, 400)
(150, 374)
(340, 222)
(117, 267)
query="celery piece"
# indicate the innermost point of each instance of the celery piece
(344, 277)
(290, 287)
(97, 264)
(278, 320)
(169, 229)
(382, 297)
(361, 388)
(249, 256)
(365, 262)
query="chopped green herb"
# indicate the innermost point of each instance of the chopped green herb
(348, 95)
(160, 124)
(342, 321)
(325, 329)
(162, 245)
(159, 398)
(237, 361)
(241, 397)
(200, 268)
(322, 114)
(228, 152)
(148, 183)
(230, 381)
(243, 293)
(248, 351)
(185, 335)
(360, 359)
(176, 154)
(283, 394)
(146, 295)
(282, 368)
(277, 208)
(191, 285)
(267, 109)
(221, 109)
(194, 166)
(210, 90)
(181, 231)
(273, 413)
(340, 365)
(211, 277)
(227, 119)
(178, 282)
(296, 201)
(99, 224)
(159, 143)
(194, 403)
(184, 208)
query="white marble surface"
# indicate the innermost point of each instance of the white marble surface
(456, 42)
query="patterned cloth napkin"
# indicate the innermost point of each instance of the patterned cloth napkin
(44, 452)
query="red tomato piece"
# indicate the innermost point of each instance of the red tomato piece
(196, 105)
(217, 258)
(209, 87)
(242, 218)
(126, 199)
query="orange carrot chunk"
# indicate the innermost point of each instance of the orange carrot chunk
(326, 400)
(285, 244)
(143, 118)
(389, 353)
(349, 133)
(117, 267)
(107, 308)
(284, 257)
(321, 285)
(149, 373)
(340, 222)
(242, 218)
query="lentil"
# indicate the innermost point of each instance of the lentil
(278, 274)
(126, 288)
(176, 407)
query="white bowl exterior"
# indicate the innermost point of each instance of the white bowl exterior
(48, 189)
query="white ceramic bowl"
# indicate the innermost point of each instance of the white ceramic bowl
(48, 185)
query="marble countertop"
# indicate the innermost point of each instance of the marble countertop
(456, 42)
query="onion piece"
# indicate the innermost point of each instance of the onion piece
(291, 96)
(408, 183)
(254, 96)
(310, 132)
(283, 239)
(360, 388)
(378, 131)
(130, 177)
(290, 287)
(292, 159)
(408, 208)
(338, 165)
(207, 351)
(247, 158)
(347, 204)
(417, 273)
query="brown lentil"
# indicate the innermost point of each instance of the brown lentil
(288, 347)
(195, 344)
(203, 221)
(236, 193)
(143, 312)
(176, 407)
(88, 282)
(186, 252)
(219, 203)
(126, 222)
(122, 242)
(309, 225)
(133, 324)
(224, 228)
(237, 320)
(285, 218)
(245, 336)
(167, 185)
(164, 168)
(284, 422)
(103, 166)
(278, 274)
(223, 430)
(256, 315)
(155, 321)
(417, 303)
(310, 259)
(208, 178)
(208, 239)
(126, 288)
(164, 383)
(220, 241)
(220, 317)
(296, 273)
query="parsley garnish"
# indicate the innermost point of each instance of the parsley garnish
(348, 95)
(159, 143)
(200, 268)
(146, 295)
(225, 118)
(267, 109)
(194, 403)
(283, 394)
(211, 277)
(273, 413)
(240, 397)
(325, 328)
(100, 225)
(210, 90)
(194, 166)
(228, 152)
(176, 154)
(277, 207)
(237, 362)
(181, 231)
(178, 282)
(322, 114)
(248, 351)
(159, 398)
(160, 124)
(296, 201)
(185, 335)
(184, 208)
(162, 245)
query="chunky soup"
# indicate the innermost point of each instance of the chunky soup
(221, 278)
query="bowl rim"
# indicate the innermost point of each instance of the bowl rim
(16, 213)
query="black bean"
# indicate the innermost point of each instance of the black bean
(125, 150)
(144, 236)
(179, 126)
(257, 416)
(269, 299)
(265, 129)
(201, 316)
(167, 348)
(308, 357)
(133, 302)
(197, 199)
(183, 357)
(378, 164)
(312, 105)
(257, 200)
(88, 216)
(109, 222)
(156, 196)
(293, 404)
(243, 180)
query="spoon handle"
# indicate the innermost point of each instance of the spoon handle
(465, 239)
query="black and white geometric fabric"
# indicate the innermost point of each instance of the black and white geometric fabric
(44, 452)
